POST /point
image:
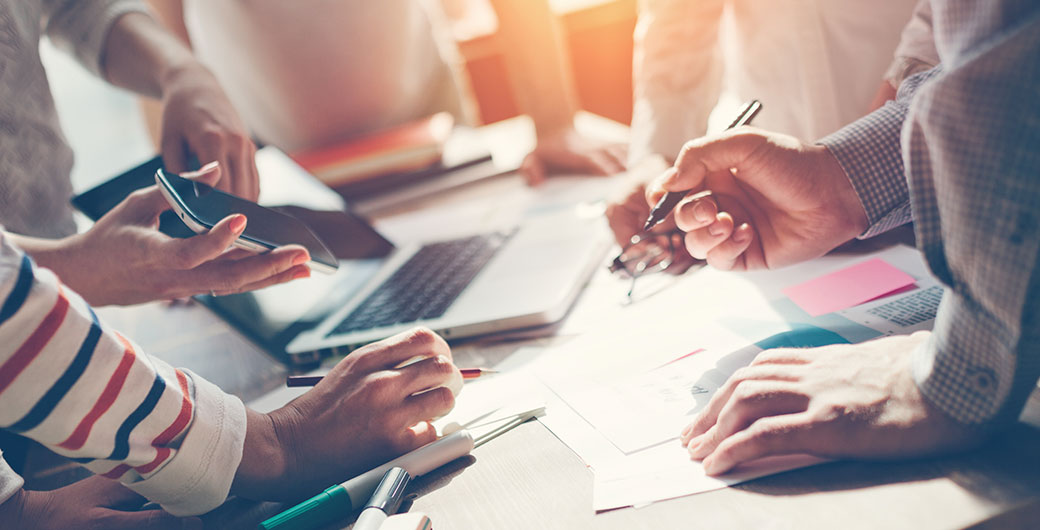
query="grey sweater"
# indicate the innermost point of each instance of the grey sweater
(35, 159)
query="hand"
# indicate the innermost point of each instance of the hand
(95, 502)
(774, 201)
(198, 119)
(123, 259)
(627, 213)
(836, 401)
(565, 150)
(368, 410)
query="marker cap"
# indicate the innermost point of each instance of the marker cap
(329, 505)
(390, 492)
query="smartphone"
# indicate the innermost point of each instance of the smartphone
(201, 207)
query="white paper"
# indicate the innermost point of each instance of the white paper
(619, 403)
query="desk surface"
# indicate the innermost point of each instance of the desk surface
(527, 478)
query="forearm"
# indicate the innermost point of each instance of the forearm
(540, 67)
(86, 392)
(142, 56)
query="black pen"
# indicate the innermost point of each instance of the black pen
(670, 199)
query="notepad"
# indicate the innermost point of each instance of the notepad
(848, 287)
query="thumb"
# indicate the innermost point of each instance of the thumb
(110, 493)
(142, 206)
(208, 174)
(706, 155)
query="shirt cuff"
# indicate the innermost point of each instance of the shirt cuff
(198, 478)
(905, 67)
(869, 152)
(82, 28)
(10, 482)
(965, 368)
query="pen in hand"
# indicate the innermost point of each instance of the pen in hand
(672, 198)
(311, 380)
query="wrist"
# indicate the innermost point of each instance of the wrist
(51, 254)
(266, 458)
(852, 216)
(182, 73)
(23, 509)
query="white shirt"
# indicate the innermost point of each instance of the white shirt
(814, 64)
(311, 72)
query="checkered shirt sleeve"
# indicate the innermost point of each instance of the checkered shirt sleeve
(971, 148)
(869, 152)
(961, 147)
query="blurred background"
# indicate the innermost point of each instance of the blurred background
(106, 130)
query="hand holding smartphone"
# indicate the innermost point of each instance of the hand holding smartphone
(201, 207)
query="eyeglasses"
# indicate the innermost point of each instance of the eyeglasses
(651, 253)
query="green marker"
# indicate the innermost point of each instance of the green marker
(339, 501)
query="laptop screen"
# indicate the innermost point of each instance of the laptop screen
(271, 317)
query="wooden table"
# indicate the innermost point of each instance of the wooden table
(528, 479)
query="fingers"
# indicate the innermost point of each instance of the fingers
(776, 435)
(703, 240)
(627, 215)
(729, 253)
(704, 155)
(212, 145)
(142, 207)
(428, 405)
(752, 400)
(709, 416)
(194, 251)
(208, 174)
(391, 352)
(249, 178)
(416, 436)
(226, 277)
(655, 190)
(297, 272)
(533, 170)
(112, 494)
(174, 152)
(711, 234)
(431, 372)
(696, 211)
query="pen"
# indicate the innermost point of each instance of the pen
(340, 500)
(311, 380)
(670, 199)
(385, 501)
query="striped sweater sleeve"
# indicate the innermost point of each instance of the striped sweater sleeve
(88, 393)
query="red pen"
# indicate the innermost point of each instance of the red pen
(311, 380)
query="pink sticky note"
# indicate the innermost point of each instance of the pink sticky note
(848, 287)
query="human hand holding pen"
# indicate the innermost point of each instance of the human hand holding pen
(760, 200)
(367, 410)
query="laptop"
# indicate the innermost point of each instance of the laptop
(489, 281)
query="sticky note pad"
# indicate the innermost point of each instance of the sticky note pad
(848, 287)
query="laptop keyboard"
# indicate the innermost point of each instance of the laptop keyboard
(426, 285)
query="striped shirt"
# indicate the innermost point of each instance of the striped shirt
(958, 151)
(87, 393)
